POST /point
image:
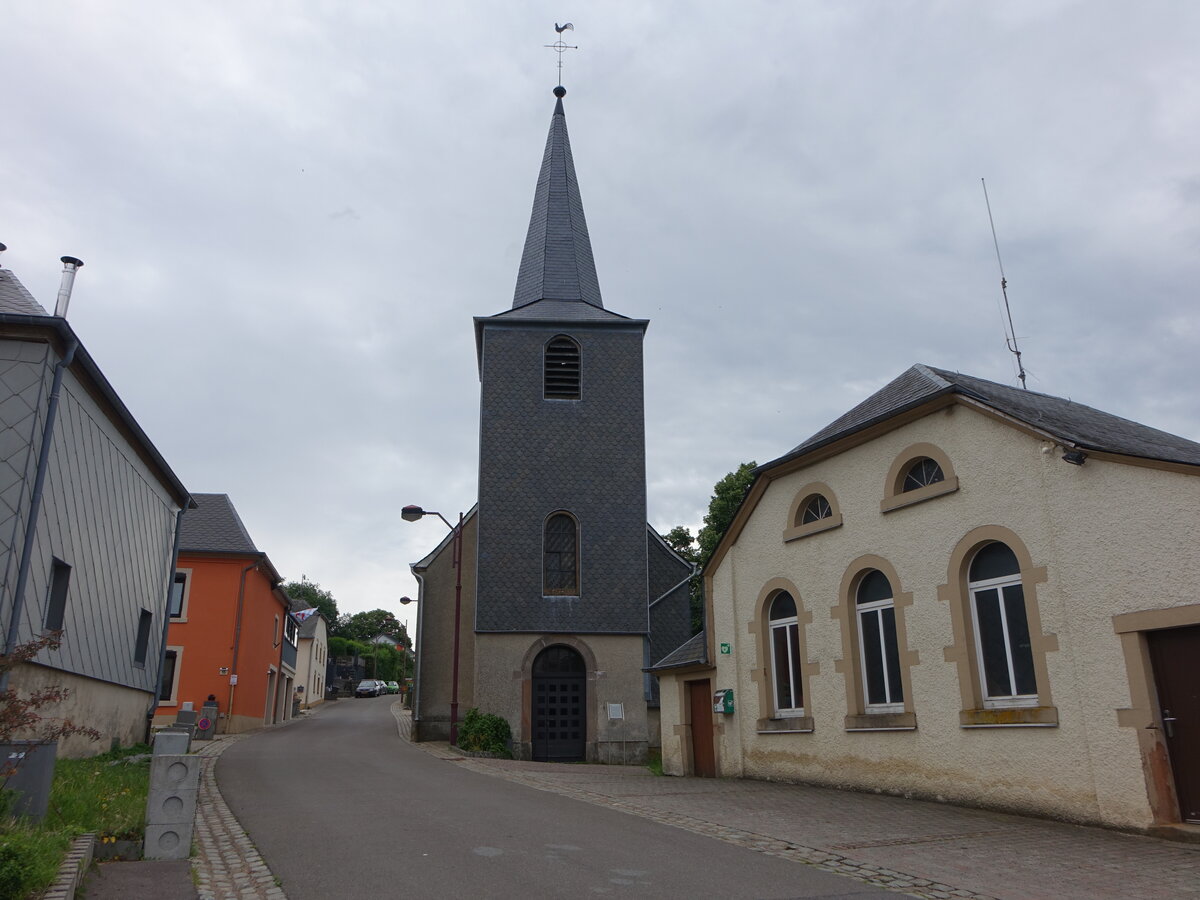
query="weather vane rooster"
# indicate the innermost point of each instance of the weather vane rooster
(559, 46)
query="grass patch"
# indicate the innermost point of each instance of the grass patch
(105, 794)
(654, 762)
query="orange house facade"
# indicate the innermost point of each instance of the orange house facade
(231, 636)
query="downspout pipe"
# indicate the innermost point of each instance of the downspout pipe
(162, 647)
(35, 504)
(237, 637)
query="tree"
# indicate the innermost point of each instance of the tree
(727, 497)
(313, 594)
(364, 626)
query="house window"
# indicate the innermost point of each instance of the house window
(922, 473)
(170, 679)
(560, 556)
(561, 373)
(814, 509)
(1002, 641)
(785, 656)
(56, 595)
(817, 509)
(290, 631)
(142, 644)
(883, 690)
(178, 593)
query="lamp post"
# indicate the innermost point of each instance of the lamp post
(412, 514)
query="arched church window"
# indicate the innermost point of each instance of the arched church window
(561, 371)
(560, 556)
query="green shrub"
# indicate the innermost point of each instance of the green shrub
(485, 733)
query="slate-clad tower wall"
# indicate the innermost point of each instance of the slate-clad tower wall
(585, 457)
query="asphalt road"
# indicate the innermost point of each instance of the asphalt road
(340, 807)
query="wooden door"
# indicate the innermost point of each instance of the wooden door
(1175, 655)
(559, 706)
(700, 704)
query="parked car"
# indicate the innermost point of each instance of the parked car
(392, 687)
(368, 687)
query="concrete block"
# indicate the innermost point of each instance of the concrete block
(171, 807)
(168, 842)
(171, 742)
(186, 717)
(174, 772)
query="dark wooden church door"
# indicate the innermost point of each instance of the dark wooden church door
(559, 707)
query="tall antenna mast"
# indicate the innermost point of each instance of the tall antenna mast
(1010, 339)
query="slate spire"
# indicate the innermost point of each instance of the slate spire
(557, 263)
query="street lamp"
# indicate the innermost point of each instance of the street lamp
(412, 514)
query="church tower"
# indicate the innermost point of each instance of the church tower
(569, 583)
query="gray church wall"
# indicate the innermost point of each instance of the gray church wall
(670, 610)
(105, 514)
(435, 640)
(538, 457)
(503, 680)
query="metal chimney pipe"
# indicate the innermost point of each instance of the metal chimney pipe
(3, 247)
(70, 265)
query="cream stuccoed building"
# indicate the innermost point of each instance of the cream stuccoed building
(958, 591)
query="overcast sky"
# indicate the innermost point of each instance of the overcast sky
(289, 213)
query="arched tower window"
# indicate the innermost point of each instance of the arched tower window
(561, 371)
(560, 556)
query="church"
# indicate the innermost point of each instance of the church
(548, 600)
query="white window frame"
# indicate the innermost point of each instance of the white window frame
(876, 608)
(187, 592)
(794, 671)
(174, 700)
(1003, 701)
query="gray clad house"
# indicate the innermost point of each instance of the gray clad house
(567, 593)
(89, 511)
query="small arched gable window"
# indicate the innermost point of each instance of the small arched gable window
(921, 472)
(560, 556)
(814, 509)
(561, 369)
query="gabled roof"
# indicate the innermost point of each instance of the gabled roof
(14, 298)
(693, 652)
(21, 316)
(214, 526)
(1072, 424)
(560, 311)
(557, 262)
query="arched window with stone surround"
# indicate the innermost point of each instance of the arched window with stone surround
(1003, 645)
(879, 655)
(787, 684)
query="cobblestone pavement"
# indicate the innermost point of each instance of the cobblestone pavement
(923, 849)
(227, 864)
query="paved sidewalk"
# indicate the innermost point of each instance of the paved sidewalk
(925, 849)
(227, 864)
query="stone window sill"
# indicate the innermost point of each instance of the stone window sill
(787, 725)
(905, 721)
(1013, 717)
(803, 531)
(909, 498)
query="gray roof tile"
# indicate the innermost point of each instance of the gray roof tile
(214, 527)
(1071, 422)
(559, 310)
(694, 652)
(557, 263)
(14, 298)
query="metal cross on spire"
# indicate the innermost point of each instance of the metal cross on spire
(560, 45)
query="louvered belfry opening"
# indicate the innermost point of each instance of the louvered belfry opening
(562, 369)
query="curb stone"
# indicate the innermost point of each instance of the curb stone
(72, 870)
